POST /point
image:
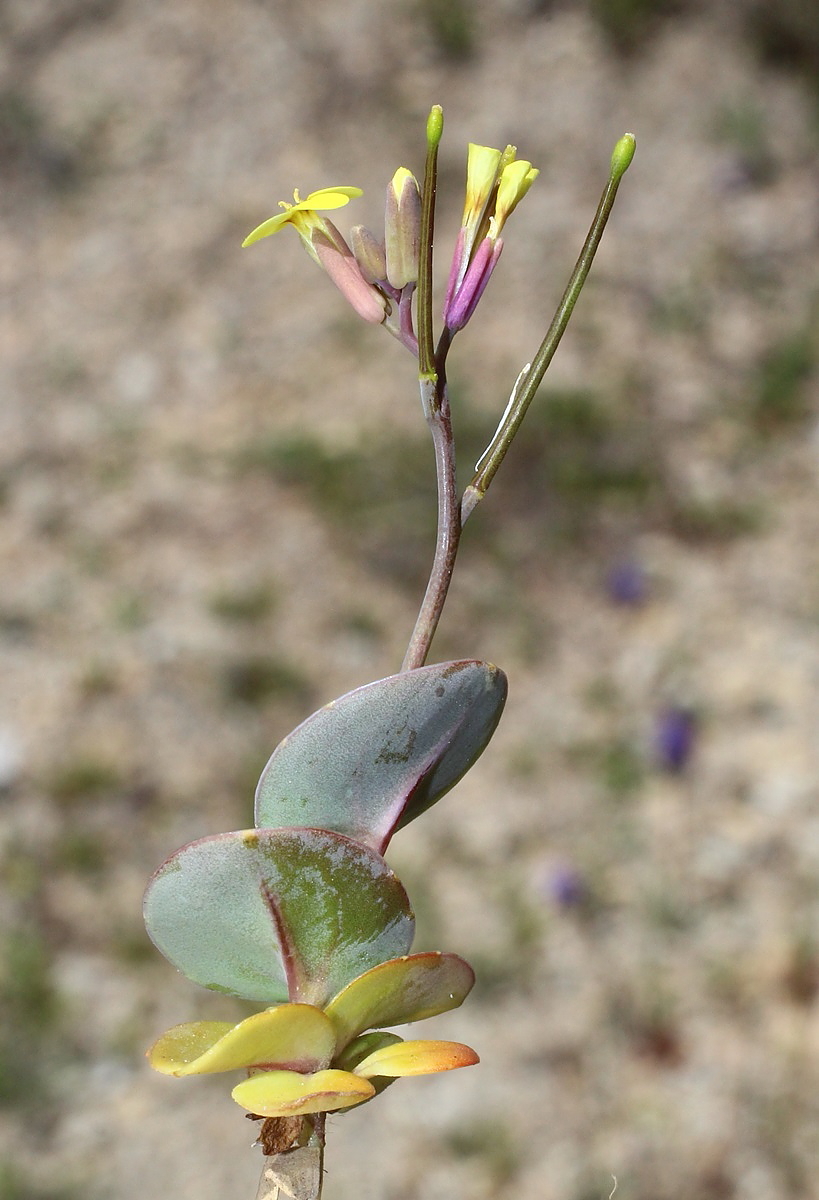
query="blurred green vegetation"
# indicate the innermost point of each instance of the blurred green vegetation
(627, 23)
(244, 604)
(780, 397)
(491, 1141)
(15, 1186)
(84, 777)
(29, 1012)
(380, 496)
(451, 28)
(744, 127)
(583, 462)
(255, 680)
(785, 34)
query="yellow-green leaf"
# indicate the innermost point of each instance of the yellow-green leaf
(298, 1037)
(287, 1093)
(184, 1044)
(362, 1046)
(400, 991)
(417, 1058)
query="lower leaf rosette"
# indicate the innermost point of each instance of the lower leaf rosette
(303, 1060)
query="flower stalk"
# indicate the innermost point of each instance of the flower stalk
(435, 404)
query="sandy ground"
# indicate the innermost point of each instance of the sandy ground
(184, 579)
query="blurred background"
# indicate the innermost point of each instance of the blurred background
(217, 513)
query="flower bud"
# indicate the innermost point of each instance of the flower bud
(461, 307)
(402, 228)
(335, 256)
(622, 155)
(495, 184)
(435, 125)
(369, 254)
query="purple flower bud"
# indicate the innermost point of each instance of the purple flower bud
(457, 269)
(674, 738)
(462, 305)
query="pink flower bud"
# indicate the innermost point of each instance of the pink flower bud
(336, 257)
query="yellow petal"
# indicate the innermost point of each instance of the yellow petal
(331, 197)
(271, 225)
(515, 181)
(296, 1036)
(481, 172)
(287, 1093)
(417, 1058)
(322, 200)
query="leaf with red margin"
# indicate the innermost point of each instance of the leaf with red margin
(376, 758)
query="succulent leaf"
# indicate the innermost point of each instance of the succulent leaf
(397, 992)
(277, 914)
(295, 1037)
(376, 758)
(417, 1058)
(288, 1094)
(362, 1047)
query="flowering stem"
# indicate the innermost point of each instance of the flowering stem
(530, 378)
(435, 402)
(435, 126)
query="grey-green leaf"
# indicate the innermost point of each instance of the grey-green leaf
(376, 758)
(277, 914)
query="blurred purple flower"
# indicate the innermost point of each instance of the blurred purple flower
(674, 738)
(626, 583)
(565, 886)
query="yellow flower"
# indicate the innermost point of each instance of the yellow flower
(323, 200)
(515, 180)
(496, 182)
(481, 172)
(327, 247)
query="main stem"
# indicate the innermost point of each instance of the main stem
(436, 409)
(295, 1174)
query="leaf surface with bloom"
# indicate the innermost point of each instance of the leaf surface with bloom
(378, 757)
(277, 914)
